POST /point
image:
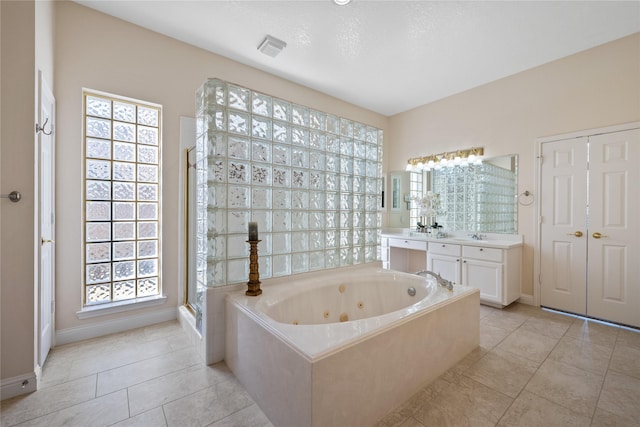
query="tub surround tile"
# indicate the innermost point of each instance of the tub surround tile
(503, 371)
(530, 410)
(103, 411)
(469, 403)
(566, 385)
(208, 406)
(167, 388)
(582, 354)
(620, 396)
(47, 400)
(529, 345)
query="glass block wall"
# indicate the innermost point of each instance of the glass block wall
(477, 198)
(311, 180)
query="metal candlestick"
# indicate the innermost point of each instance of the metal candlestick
(253, 284)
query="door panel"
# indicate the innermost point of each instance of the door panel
(614, 253)
(446, 266)
(486, 276)
(563, 226)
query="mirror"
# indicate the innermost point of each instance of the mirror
(475, 198)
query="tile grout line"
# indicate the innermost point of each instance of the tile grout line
(534, 373)
(604, 377)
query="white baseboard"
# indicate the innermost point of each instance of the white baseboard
(66, 336)
(22, 384)
(526, 299)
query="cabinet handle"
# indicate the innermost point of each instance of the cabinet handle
(465, 261)
(444, 246)
(481, 249)
(457, 260)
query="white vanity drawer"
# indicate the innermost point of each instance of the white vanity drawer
(444, 248)
(408, 244)
(479, 252)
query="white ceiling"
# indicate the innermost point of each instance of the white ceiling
(387, 56)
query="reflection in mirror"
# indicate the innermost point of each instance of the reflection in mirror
(474, 198)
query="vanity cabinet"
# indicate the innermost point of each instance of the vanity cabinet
(444, 259)
(494, 271)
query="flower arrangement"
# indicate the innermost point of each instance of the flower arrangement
(428, 204)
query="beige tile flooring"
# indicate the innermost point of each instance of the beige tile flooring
(533, 368)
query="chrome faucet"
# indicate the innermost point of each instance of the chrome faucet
(441, 280)
(477, 236)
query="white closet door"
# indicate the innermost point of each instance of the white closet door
(614, 227)
(563, 228)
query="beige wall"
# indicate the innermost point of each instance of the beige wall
(17, 156)
(102, 53)
(596, 88)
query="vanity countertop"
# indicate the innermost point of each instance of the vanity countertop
(492, 241)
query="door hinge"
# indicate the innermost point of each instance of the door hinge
(541, 157)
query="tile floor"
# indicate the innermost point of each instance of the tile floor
(533, 368)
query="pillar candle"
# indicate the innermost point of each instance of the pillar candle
(253, 231)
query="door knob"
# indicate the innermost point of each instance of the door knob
(47, 241)
(598, 235)
(577, 234)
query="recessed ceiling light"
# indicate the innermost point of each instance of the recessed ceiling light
(271, 46)
(342, 2)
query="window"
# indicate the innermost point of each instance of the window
(122, 199)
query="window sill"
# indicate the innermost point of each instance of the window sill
(120, 306)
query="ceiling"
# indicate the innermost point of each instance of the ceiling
(387, 56)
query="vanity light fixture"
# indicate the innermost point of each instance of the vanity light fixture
(470, 156)
(271, 46)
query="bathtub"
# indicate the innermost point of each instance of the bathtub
(344, 347)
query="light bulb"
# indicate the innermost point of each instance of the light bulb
(409, 167)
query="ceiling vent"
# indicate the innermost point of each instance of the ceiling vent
(271, 46)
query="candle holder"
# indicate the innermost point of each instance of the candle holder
(253, 284)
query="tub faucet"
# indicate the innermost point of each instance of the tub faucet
(441, 280)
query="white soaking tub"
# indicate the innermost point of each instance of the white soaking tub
(344, 347)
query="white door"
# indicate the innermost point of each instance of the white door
(614, 227)
(563, 192)
(46, 285)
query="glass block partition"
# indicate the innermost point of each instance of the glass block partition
(477, 198)
(311, 180)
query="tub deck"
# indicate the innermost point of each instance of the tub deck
(350, 373)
